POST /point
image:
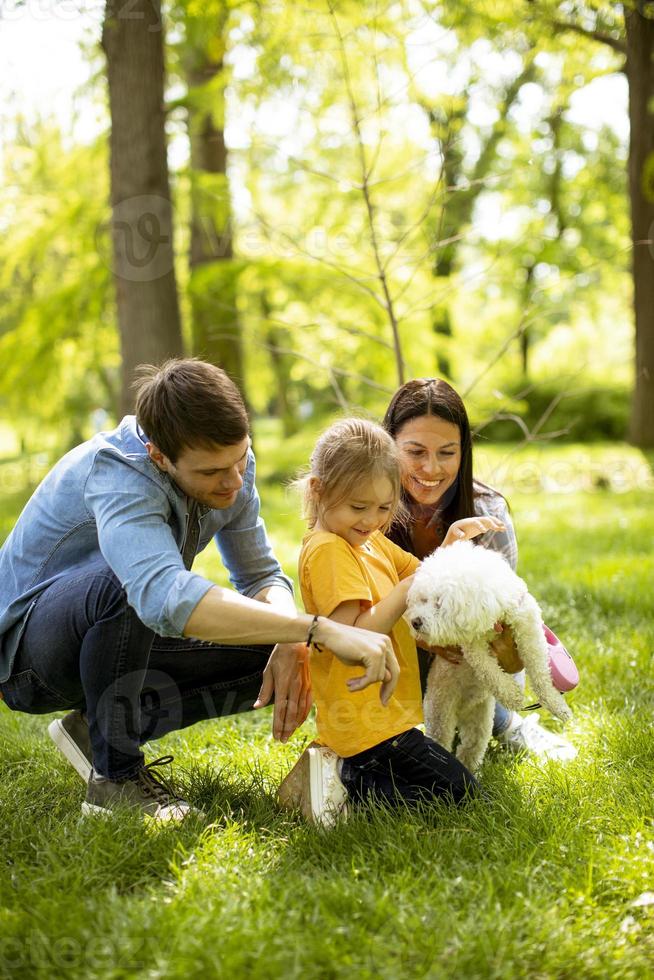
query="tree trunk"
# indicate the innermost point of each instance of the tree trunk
(524, 353)
(142, 228)
(442, 325)
(214, 281)
(640, 72)
(456, 213)
(278, 340)
(525, 337)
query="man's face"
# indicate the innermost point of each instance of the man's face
(211, 476)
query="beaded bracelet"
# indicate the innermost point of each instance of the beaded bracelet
(310, 640)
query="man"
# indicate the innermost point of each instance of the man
(101, 613)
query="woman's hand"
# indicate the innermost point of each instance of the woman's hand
(453, 655)
(503, 646)
(505, 650)
(471, 527)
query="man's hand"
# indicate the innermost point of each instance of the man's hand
(373, 651)
(286, 675)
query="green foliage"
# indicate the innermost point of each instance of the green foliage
(347, 204)
(570, 414)
(435, 164)
(413, 162)
(57, 332)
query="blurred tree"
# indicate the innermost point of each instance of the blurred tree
(379, 198)
(368, 147)
(465, 178)
(213, 284)
(500, 52)
(58, 343)
(559, 278)
(342, 198)
(142, 225)
(628, 30)
(639, 22)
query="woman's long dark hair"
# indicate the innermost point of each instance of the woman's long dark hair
(433, 396)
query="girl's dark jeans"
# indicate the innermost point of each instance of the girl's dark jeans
(406, 769)
(84, 647)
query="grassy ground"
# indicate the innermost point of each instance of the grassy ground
(551, 877)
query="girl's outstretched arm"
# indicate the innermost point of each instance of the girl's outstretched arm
(380, 618)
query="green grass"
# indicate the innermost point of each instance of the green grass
(538, 881)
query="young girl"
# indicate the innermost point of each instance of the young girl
(350, 572)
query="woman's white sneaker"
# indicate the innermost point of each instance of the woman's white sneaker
(528, 736)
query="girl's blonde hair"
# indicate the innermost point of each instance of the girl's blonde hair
(347, 453)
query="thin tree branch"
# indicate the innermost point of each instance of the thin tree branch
(301, 165)
(359, 283)
(533, 434)
(370, 208)
(416, 165)
(417, 224)
(600, 36)
(336, 372)
(529, 435)
(428, 251)
(443, 293)
(524, 323)
(353, 331)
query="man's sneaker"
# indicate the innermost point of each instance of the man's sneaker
(314, 786)
(146, 791)
(71, 736)
(527, 735)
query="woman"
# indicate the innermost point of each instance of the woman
(429, 423)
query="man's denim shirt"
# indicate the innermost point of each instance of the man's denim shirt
(106, 498)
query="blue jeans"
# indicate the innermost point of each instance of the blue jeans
(405, 769)
(502, 717)
(84, 647)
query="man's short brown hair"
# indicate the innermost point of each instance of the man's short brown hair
(186, 404)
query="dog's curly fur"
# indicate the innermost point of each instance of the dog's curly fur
(457, 596)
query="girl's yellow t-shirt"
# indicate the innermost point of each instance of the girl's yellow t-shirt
(331, 572)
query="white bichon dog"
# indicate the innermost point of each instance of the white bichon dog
(457, 596)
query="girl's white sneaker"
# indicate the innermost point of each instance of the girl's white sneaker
(314, 786)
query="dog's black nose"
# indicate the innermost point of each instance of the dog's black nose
(416, 623)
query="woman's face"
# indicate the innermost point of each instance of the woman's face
(430, 456)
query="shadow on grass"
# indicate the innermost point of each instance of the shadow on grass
(44, 836)
(371, 833)
(537, 833)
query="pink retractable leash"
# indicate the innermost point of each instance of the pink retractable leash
(563, 669)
